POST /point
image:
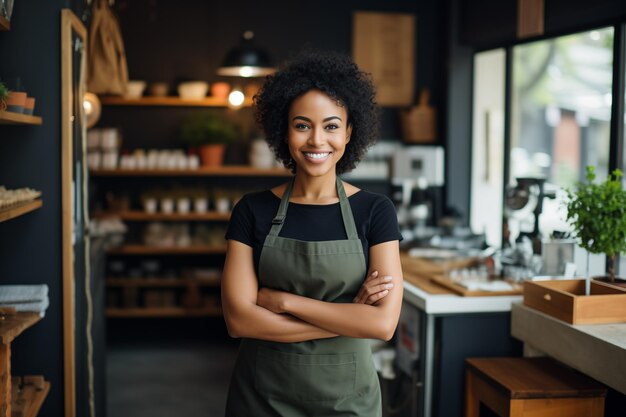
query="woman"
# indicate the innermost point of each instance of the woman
(295, 286)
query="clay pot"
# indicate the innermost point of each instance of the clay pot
(15, 101)
(29, 105)
(220, 90)
(212, 155)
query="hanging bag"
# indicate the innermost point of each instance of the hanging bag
(108, 71)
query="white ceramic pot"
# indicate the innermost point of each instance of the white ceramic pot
(150, 205)
(222, 205)
(167, 205)
(183, 205)
(200, 205)
(193, 90)
(134, 88)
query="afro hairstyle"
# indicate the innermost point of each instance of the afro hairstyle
(337, 76)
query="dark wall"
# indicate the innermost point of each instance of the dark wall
(30, 156)
(170, 41)
(493, 23)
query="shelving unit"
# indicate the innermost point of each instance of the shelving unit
(11, 326)
(12, 118)
(161, 282)
(170, 101)
(222, 171)
(174, 250)
(28, 395)
(142, 216)
(5, 24)
(19, 209)
(211, 311)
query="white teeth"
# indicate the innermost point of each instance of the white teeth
(316, 155)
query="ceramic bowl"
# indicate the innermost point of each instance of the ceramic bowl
(135, 88)
(193, 90)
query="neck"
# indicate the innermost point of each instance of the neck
(314, 189)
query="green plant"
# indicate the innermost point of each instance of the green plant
(206, 128)
(4, 94)
(597, 211)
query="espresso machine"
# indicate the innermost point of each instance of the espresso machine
(417, 179)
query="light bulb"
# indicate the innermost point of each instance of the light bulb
(236, 98)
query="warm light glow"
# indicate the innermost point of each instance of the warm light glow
(236, 98)
(246, 71)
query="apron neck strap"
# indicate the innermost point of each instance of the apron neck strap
(346, 212)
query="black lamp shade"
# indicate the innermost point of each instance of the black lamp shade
(246, 60)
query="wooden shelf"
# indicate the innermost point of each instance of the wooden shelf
(19, 209)
(141, 216)
(12, 118)
(29, 399)
(5, 24)
(211, 311)
(222, 171)
(168, 101)
(155, 250)
(13, 325)
(161, 282)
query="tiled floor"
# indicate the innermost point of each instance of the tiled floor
(164, 379)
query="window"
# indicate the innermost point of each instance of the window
(560, 117)
(488, 145)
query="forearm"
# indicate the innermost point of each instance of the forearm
(259, 323)
(345, 319)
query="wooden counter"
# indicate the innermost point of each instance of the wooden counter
(597, 350)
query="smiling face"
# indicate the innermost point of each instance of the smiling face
(318, 133)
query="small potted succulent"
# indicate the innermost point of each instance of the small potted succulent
(209, 134)
(597, 211)
(4, 95)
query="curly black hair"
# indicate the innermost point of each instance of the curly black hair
(334, 74)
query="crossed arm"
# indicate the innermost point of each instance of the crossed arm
(284, 317)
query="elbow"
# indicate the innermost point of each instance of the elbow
(385, 330)
(232, 326)
(389, 329)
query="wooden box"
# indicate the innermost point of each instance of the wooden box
(565, 300)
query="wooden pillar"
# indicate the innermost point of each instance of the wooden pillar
(5, 380)
(530, 18)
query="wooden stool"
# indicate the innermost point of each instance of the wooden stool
(515, 387)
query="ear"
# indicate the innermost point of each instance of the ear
(348, 133)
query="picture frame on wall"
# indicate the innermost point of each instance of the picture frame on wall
(383, 44)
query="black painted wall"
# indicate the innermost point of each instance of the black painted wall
(30, 246)
(171, 41)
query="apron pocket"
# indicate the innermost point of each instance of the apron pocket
(294, 376)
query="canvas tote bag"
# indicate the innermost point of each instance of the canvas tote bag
(108, 71)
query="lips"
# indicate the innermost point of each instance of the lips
(316, 157)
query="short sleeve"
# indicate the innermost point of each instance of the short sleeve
(241, 224)
(383, 222)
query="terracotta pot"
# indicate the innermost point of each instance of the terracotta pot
(212, 155)
(15, 101)
(29, 105)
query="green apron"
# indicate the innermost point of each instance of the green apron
(325, 377)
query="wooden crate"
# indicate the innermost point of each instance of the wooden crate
(565, 300)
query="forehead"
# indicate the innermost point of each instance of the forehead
(317, 102)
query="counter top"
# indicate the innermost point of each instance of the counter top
(452, 303)
(432, 298)
(597, 350)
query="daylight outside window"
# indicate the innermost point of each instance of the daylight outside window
(560, 118)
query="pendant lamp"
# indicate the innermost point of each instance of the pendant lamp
(246, 60)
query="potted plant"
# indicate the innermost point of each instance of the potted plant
(597, 211)
(209, 134)
(4, 95)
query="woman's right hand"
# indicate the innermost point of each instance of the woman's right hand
(374, 289)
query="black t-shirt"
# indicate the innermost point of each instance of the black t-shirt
(374, 216)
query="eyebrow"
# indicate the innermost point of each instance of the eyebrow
(306, 119)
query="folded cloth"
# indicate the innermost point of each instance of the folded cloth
(25, 297)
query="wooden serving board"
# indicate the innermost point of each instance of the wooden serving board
(461, 290)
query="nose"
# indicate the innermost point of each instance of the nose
(316, 138)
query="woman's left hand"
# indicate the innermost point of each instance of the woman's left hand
(272, 300)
